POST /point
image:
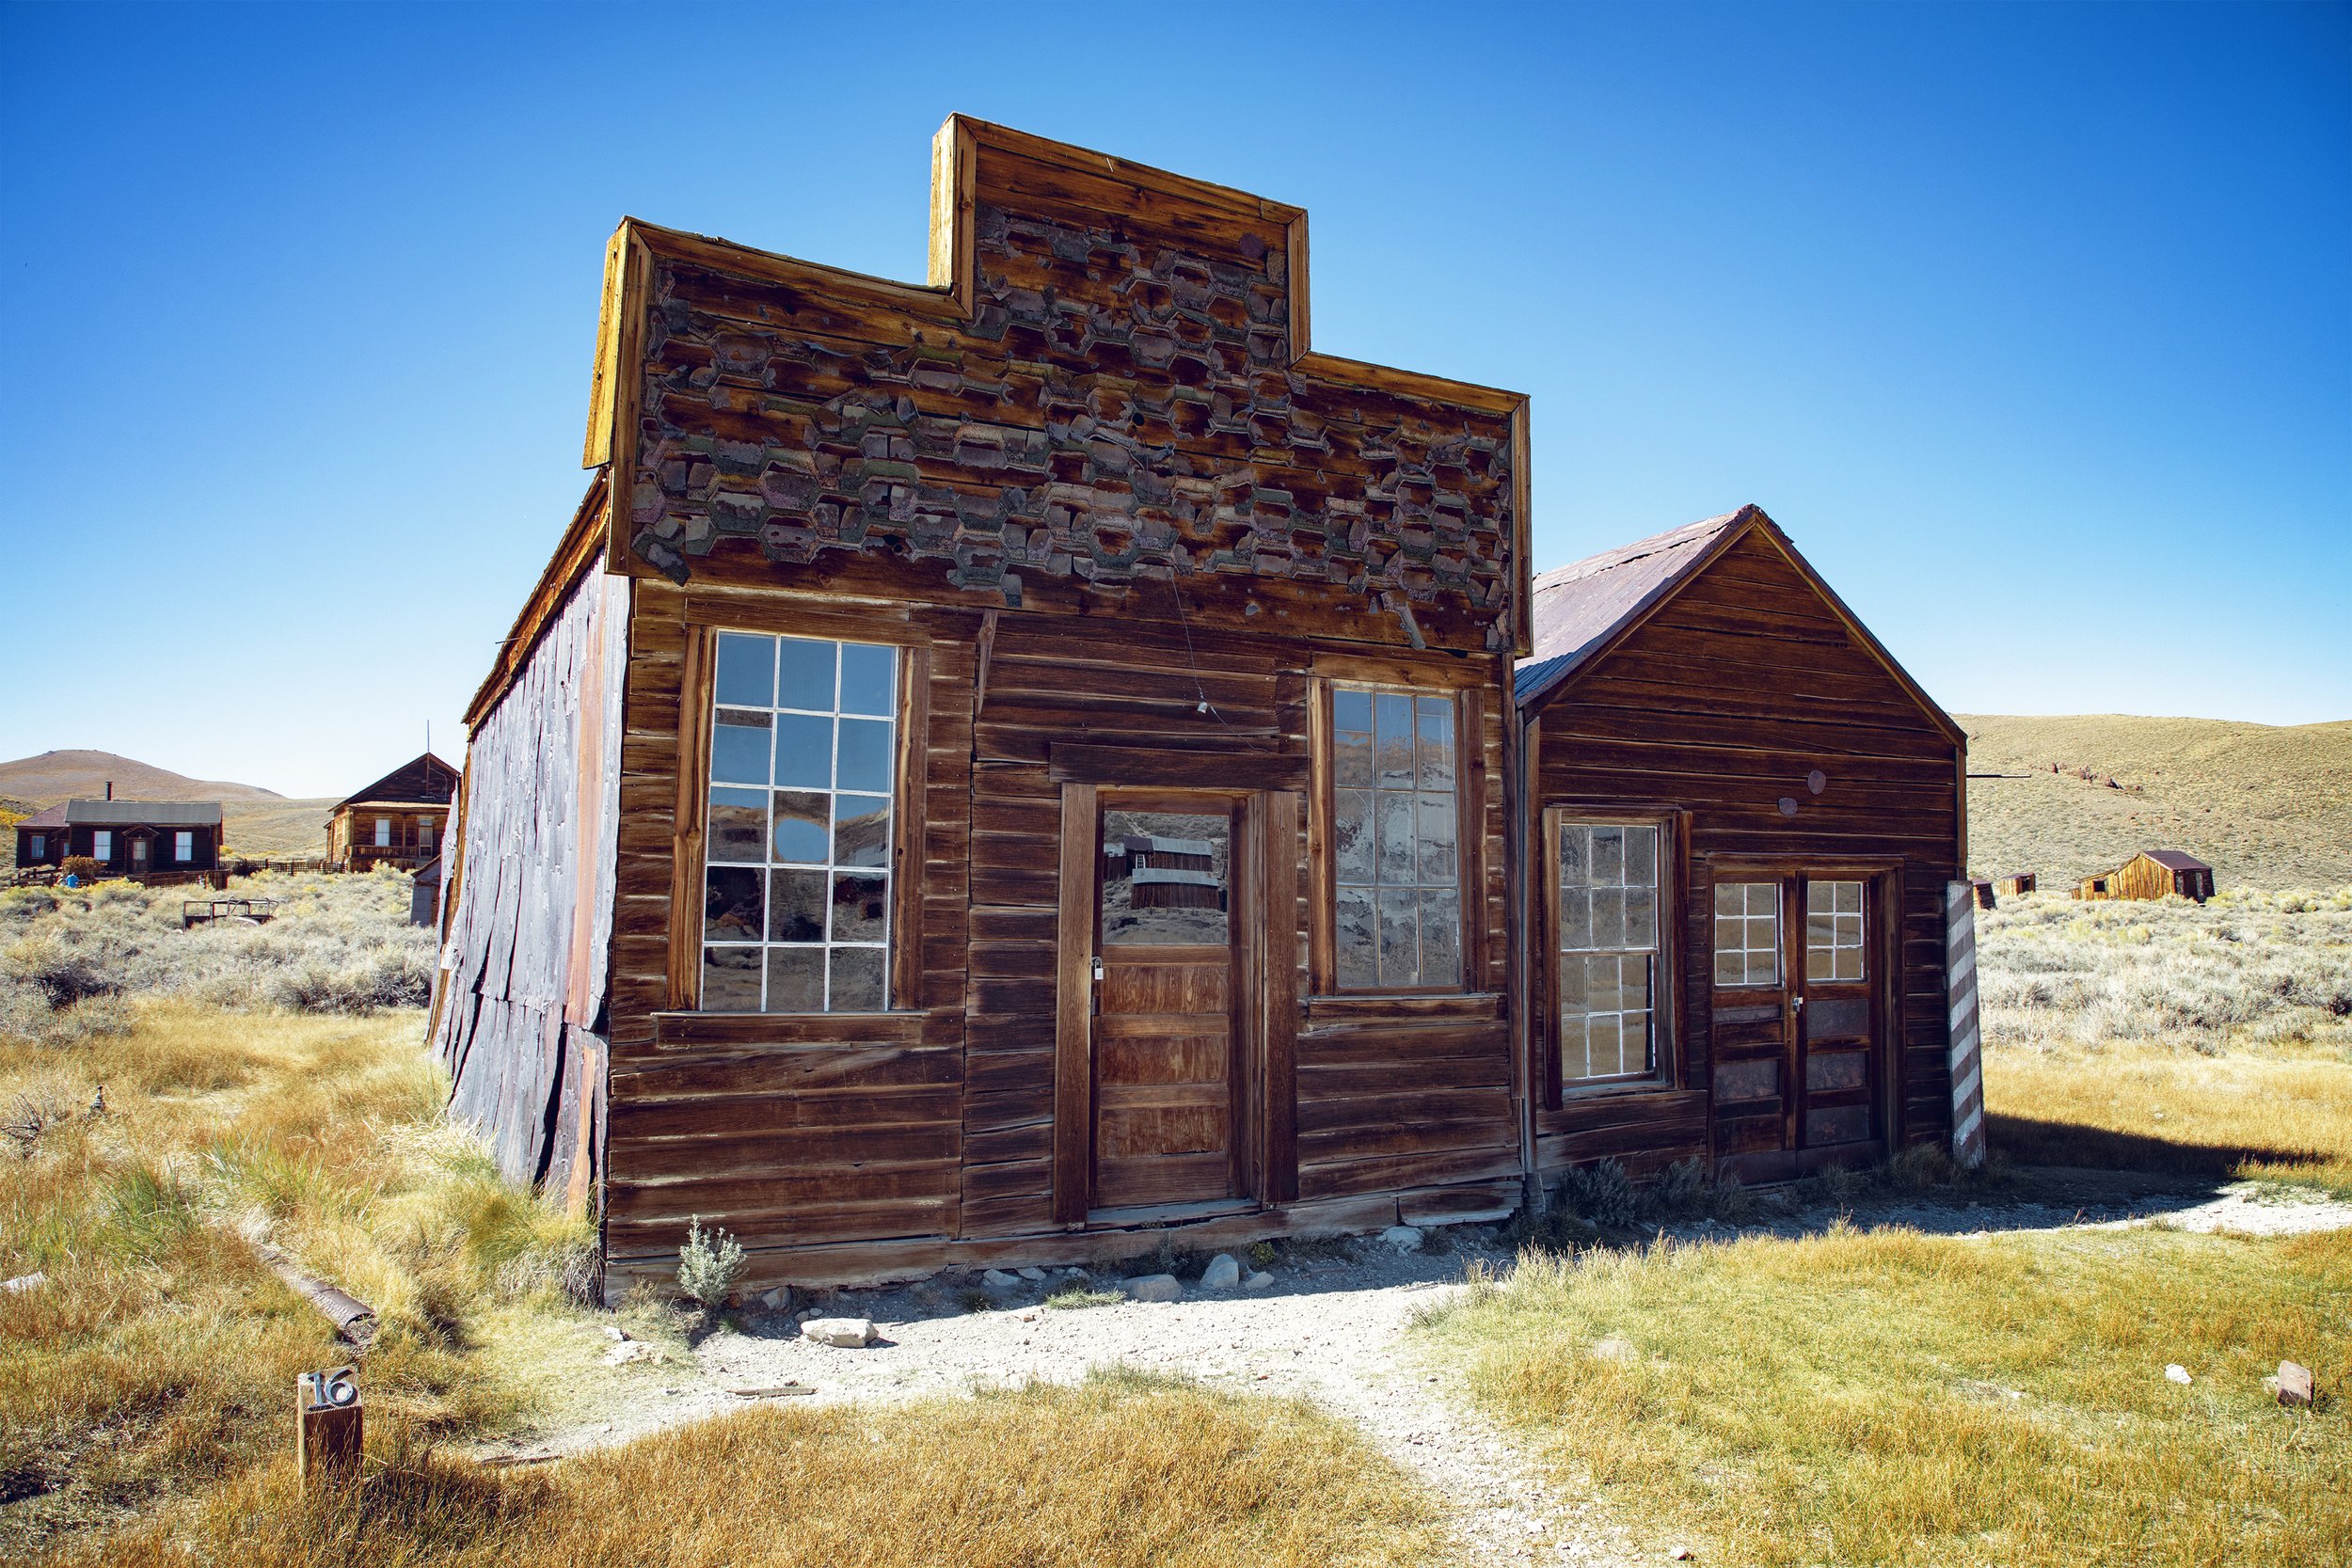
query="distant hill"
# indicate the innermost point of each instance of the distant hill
(2267, 806)
(255, 821)
(55, 776)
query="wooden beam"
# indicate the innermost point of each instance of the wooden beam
(1278, 921)
(686, 864)
(1070, 762)
(1074, 1006)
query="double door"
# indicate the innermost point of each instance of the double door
(1799, 1028)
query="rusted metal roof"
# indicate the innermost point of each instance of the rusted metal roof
(1580, 606)
(2176, 859)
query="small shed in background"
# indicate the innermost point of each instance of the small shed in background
(2153, 874)
(2010, 886)
(1983, 888)
(424, 899)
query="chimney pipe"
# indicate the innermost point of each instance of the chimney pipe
(110, 789)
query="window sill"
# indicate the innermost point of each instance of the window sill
(1391, 1007)
(691, 1029)
(1611, 1088)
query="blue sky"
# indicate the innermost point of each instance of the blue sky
(2029, 323)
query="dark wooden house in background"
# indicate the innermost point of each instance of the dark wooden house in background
(782, 897)
(2151, 874)
(1001, 769)
(170, 839)
(1744, 816)
(398, 820)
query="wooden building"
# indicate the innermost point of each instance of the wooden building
(2009, 886)
(143, 839)
(2151, 874)
(1000, 766)
(397, 820)
(1743, 817)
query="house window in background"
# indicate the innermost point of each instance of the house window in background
(102, 844)
(39, 846)
(1396, 856)
(383, 832)
(183, 847)
(796, 890)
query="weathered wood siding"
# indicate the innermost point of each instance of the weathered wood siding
(518, 1016)
(1721, 704)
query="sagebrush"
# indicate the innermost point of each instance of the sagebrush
(339, 944)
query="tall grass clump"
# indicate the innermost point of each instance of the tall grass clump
(1891, 1397)
(1119, 1472)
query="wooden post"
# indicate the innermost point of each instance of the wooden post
(328, 1416)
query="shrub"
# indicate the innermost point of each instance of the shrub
(708, 1264)
(81, 868)
(1601, 1195)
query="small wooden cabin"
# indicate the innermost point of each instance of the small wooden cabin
(2153, 874)
(169, 839)
(1005, 769)
(2009, 886)
(1743, 818)
(397, 820)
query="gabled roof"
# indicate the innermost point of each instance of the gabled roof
(48, 817)
(426, 781)
(1584, 609)
(2176, 859)
(142, 814)
(1580, 606)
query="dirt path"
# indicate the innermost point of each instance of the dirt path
(1334, 1332)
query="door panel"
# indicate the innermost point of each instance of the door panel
(1164, 1033)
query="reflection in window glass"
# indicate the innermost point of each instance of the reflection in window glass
(796, 906)
(1608, 895)
(1165, 876)
(1747, 933)
(1396, 862)
(1833, 930)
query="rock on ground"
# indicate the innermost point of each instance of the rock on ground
(1223, 1272)
(1153, 1286)
(841, 1333)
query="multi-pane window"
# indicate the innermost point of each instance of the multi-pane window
(796, 906)
(1833, 930)
(1608, 900)
(1397, 868)
(383, 832)
(102, 844)
(40, 846)
(183, 847)
(1747, 933)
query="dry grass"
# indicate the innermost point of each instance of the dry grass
(2269, 808)
(2165, 1037)
(160, 1355)
(337, 945)
(1124, 1471)
(1896, 1397)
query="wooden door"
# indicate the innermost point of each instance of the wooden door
(1165, 1059)
(1798, 1031)
(139, 847)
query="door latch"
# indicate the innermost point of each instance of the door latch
(1098, 972)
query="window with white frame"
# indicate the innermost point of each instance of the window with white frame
(1608, 900)
(796, 890)
(1747, 934)
(1396, 841)
(183, 847)
(1833, 930)
(102, 844)
(383, 832)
